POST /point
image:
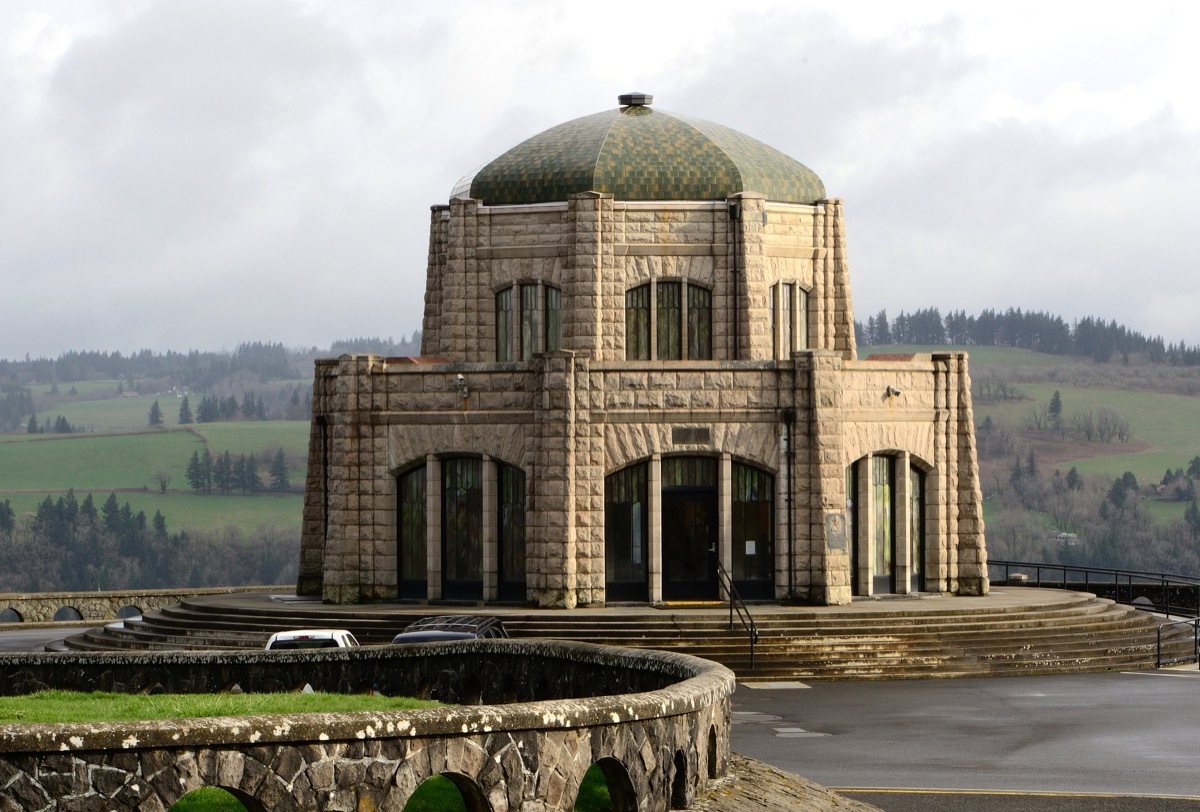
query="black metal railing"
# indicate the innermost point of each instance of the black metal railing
(736, 604)
(1177, 595)
(1194, 622)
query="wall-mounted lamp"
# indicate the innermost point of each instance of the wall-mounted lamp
(462, 387)
(893, 392)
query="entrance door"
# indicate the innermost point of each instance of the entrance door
(689, 528)
(462, 529)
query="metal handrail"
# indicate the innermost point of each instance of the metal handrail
(1122, 581)
(1159, 662)
(737, 604)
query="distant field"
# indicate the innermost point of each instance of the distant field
(32, 467)
(88, 461)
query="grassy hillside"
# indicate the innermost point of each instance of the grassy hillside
(1165, 424)
(117, 451)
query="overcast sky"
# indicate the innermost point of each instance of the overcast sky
(187, 174)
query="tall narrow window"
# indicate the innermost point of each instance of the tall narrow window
(553, 319)
(699, 320)
(669, 324)
(529, 321)
(511, 520)
(411, 558)
(504, 325)
(753, 532)
(637, 324)
(626, 534)
(801, 342)
(916, 531)
(785, 320)
(773, 319)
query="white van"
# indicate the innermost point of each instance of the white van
(311, 638)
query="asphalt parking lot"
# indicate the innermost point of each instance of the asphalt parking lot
(1076, 741)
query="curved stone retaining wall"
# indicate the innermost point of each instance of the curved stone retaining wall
(656, 723)
(42, 607)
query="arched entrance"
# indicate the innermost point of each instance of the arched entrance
(689, 528)
(885, 500)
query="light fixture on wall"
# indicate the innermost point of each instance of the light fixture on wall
(893, 392)
(463, 389)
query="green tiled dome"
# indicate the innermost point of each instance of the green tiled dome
(636, 153)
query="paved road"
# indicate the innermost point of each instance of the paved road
(1078, 737)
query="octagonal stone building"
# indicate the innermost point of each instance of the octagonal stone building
(638, 368)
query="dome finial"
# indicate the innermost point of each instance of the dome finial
(635, 100)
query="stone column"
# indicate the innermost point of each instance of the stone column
(902, 509)
(589, 266)
(654, 562)
(551, 535)
(838, 329)
(866, 525)
(964, 496)
(431, 324)
(751, 294)
(433, 527)
(315, 517)
(830, 561)
(725, 511)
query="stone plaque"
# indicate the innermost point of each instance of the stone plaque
(691, 435)
(835, 530)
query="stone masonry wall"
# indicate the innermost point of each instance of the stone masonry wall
(658, 722)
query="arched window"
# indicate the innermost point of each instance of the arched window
(681, 327)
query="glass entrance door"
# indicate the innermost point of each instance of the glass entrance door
(689, 528)
(462, 529)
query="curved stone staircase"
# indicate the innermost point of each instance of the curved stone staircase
(876, 640)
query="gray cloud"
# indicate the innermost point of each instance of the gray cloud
(197, 174)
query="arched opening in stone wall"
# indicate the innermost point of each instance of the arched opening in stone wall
(680, 796)
(10, 615)
(217, 799)
(447, 792)
(712, 751)
(129, 611)
(67, 613)
(606, 786)
(886, 506)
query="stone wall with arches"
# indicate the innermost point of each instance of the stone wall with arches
(46, 607)
(657, 724)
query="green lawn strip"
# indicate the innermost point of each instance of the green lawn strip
(77, 707)
(260, 437)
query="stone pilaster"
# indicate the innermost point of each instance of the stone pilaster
(431, 324)
(827, 570)
(837, 332)
(590, 260)
(966, 493)
(751, 288)
(316, 491)
(551, 526)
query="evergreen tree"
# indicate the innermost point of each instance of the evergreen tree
(1055, 410)
(253, 482)
(8, 518)
(279, 472)
(185, 412)
(156, 418)
(32, 426)
(160, 526)
(195, 472)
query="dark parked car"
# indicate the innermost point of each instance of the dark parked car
(451, 627)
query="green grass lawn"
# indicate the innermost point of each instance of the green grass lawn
(56, 462)
(77, 707)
